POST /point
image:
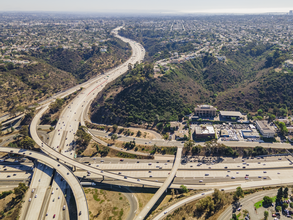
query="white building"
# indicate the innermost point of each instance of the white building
(265, 129)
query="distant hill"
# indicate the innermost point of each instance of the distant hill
(246, 81)
(30, 84)
(53, 70)
(84, 64)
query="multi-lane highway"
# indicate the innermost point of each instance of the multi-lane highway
(162, 189)
(63, 145)
(66, 174)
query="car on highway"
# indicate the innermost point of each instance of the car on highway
(233, 177)
(54, 215)
(165, 213)
(207, 174)
(202, 194)
(138, 179)
(150, 164)
(121, 160)
(150, 176)
(200, 181)
(264, 171)
(30, 199)
(125, 177)
(259, 176)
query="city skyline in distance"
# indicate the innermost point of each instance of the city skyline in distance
(152, 6)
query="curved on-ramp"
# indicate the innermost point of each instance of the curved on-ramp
(68, 176)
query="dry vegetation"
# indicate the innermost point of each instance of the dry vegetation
(106, 204)
(209, 208)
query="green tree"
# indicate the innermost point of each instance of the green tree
(196, 149)
(260, 112)
(114, 137)
(187, 146)
(20, 190)
(138, 134)
(234, 217)
(115, 128)
(12, 129)
(51, 128)
(278, 208)
(279, 194)
(285, 205)
(291, 204)
(238, 193)
(267, 201)
(272, 117)
(24, 130)
(266, 215)
(27, 143)
(285, 193)
(184, 189)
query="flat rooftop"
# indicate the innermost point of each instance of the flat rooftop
(231, 113)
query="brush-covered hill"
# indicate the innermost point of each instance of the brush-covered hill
(84, 64)
(52, 70)
(248, 80)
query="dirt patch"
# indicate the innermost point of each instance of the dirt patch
(106, 204)
(7, 213)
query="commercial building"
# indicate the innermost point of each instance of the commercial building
(250, 134)
(291, 12)
(230, 115)
(224, 133)
(204, 131)
(205, 111)
(265, 130)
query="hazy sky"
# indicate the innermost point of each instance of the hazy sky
(213, 6)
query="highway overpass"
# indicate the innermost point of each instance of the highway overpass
(81, 202)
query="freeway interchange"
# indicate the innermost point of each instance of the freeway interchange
(163, 173)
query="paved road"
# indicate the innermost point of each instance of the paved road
(227, 214)
(162, 189)
(68, 176)
(161, 142)
(180, 203)
(37, 191)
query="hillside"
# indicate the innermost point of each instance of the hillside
(25, 86)
(53, 70)
(138, 97)
(84, 64)
(245, 82)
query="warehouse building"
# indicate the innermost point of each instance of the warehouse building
(250, 134)
(230, 115)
